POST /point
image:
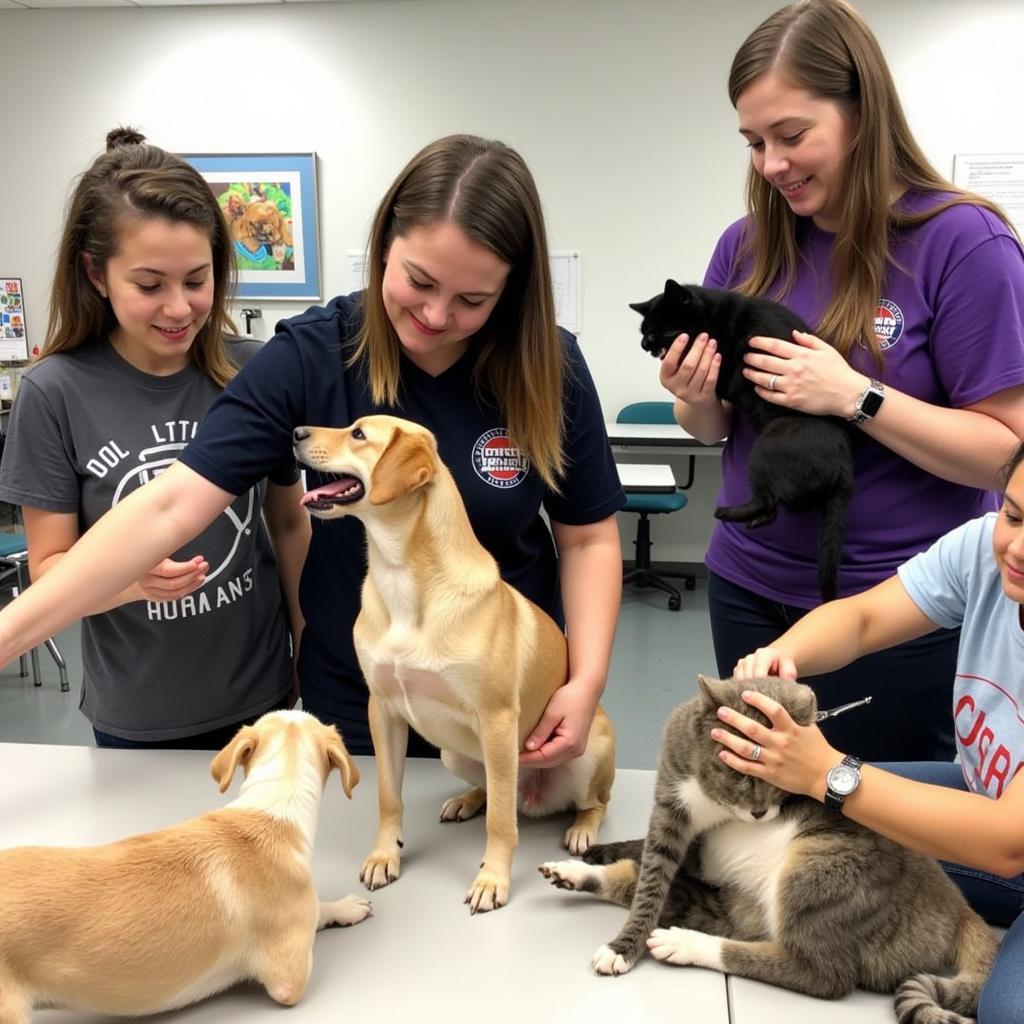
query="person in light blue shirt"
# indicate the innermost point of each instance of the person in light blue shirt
(970, 814)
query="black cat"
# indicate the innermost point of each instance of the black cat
(801, 461)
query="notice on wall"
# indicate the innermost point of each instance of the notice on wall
(13, 345)
(996, 176)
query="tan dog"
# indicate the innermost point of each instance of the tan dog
(164, 919)
(447, 647)
(259, 223)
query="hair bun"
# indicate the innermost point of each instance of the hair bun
(126, 136)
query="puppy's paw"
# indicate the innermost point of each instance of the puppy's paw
(571, 874)
(464, 806)
(379, 869)
(607, 961)
(489, 891)
(578, 840)
(684, 946)
(345, 912)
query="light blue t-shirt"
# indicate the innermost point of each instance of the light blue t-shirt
(957, 582)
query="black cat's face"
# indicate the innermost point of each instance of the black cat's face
(677, 310)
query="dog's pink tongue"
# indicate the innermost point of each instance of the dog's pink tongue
(327, 491)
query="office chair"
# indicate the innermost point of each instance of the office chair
(648, 504)
(14, 562)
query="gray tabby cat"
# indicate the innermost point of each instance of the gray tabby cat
(737, 876)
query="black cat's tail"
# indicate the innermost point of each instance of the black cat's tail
(930, 999)
(830, 541)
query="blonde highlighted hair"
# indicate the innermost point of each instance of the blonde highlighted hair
(826, 47)
(485, 189)
(134, 181)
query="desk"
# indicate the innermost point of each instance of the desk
(642, 477)
(660, 439)
(421, 957)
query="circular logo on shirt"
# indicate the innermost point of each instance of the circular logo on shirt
(888, 323)
(497, 461)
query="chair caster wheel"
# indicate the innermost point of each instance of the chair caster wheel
(690, 583)
(674, 604)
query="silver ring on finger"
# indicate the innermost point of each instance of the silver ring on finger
(771, 382)
(755, 754)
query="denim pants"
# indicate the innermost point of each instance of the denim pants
(998, 900)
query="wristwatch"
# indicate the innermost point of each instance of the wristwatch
(841, 781)
(869, 401)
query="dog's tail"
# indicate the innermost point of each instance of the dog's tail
(930, 999)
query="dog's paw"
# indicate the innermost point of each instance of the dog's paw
(380, 869)
(570, 874)
(684, 946)
(464, 806)
(345, 912)
(489, 891)
(607, 961)
(578, 840)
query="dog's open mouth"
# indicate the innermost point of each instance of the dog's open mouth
(343, 491)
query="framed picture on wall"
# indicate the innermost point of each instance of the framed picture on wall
(269, 203)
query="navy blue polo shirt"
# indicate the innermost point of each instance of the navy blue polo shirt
(301, 378)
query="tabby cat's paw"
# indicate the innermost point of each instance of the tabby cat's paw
(685, 946)
(569, 874)
(607, 961)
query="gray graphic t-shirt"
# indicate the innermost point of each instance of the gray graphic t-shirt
(87, 430)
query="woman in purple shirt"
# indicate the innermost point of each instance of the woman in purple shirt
(918, 292)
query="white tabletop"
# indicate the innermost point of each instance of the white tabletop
(421, 956)
(657, 435)
(646, 477)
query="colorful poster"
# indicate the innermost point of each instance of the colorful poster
(12, 320)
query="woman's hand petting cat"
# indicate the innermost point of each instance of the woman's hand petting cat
(793, 757)
(692, 377)
(764, 662)
(805, 374)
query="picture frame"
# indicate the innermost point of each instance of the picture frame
(269, 202)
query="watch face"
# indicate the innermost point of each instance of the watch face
(872, 403)
(843, 779)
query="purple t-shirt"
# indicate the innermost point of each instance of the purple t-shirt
(950, 321)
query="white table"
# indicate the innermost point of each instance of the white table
(658, 435)
(421, 957)
(646, 477)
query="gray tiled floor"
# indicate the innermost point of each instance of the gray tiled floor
(657, 656)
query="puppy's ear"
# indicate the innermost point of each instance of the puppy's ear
(408, 462)
(237, 752)
(339, 757)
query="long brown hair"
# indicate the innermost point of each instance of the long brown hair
(133, 180)
(486, 190)
(826, 47)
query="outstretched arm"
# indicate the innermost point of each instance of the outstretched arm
(119, 549)
(965, 828)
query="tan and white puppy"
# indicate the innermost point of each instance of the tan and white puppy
(449, 648)
(164, 919)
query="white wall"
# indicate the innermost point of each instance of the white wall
(619, 107)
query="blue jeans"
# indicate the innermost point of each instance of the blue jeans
(998, 900)
(911, 715)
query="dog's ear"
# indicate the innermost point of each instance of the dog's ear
(339, 757)
(237, 752)
(408, 462)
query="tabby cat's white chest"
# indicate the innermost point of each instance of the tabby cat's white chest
(751, 856)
